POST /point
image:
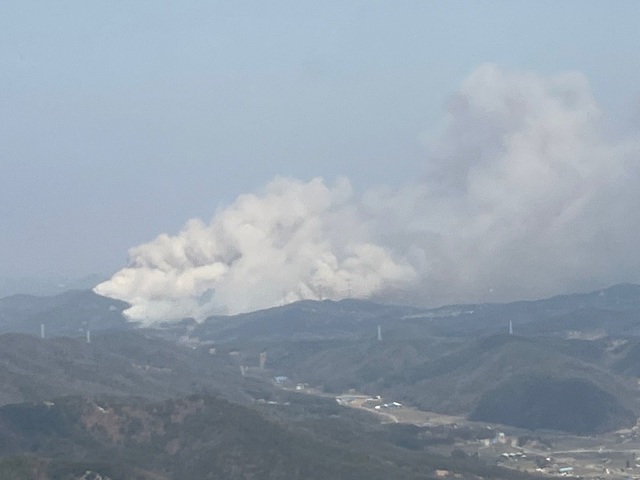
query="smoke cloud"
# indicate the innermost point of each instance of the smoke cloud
(521, 196)
(292, 241)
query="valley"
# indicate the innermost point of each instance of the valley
(529, 389)
(614, 455)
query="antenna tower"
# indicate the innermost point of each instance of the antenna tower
(263, 360)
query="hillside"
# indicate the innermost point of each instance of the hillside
(117, 363)
(69, 313)
(205, 437)
(449, 376)
(540, 402)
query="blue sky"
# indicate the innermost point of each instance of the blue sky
(122, 120)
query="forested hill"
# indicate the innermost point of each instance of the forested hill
(205, 437)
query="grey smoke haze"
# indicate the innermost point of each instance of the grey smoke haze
(521, 196)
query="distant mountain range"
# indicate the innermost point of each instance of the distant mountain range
(610, 311)
(52, 285)
(456, 359)
(70, 314)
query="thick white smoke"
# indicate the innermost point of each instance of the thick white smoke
(520, 197)
(293, 241)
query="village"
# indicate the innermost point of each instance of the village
(614, 456)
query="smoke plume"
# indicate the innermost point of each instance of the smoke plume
(521, 196)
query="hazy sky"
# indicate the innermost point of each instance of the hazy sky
(123, 120)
